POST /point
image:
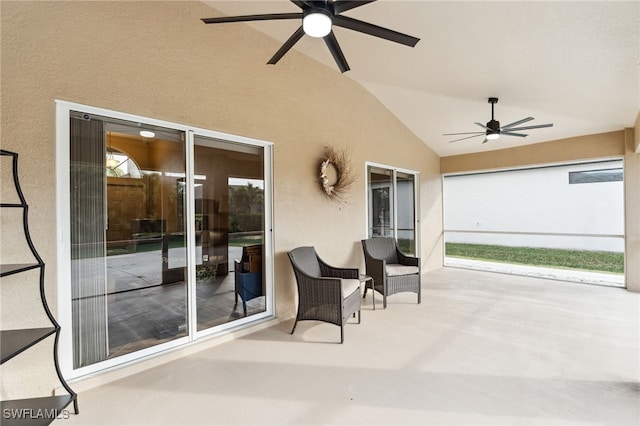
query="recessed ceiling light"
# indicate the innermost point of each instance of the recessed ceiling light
(147, 134)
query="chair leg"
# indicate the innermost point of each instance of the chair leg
(294, 325)
(384, 301)
(373, 296)
(358, 316)
(342, 334)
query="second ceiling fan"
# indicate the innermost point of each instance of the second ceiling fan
(493, 130)
(318, 17)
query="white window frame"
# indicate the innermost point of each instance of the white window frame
(65, 348)
(416, 202)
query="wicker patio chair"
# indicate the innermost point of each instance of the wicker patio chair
(325, 293)
(391, 270)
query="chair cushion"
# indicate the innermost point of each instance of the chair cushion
(349, 285)
(394, 270)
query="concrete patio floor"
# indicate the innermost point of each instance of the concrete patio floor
(482, 349)
(572, 275)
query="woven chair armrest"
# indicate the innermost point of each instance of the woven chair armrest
(374, 267)
(331, 271)
(328, 287)
(304, 275)
(407, 260)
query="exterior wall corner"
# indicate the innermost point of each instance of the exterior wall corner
(632, 209)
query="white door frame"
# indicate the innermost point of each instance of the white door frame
(64, 316)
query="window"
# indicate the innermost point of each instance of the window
(120, 165)
(154, 247)
(593, 176)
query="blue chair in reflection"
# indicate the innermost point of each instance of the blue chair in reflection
(248, 275)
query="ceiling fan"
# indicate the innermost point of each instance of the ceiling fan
(493, 130)
(318, 17)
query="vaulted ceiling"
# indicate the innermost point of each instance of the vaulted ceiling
(575, 64)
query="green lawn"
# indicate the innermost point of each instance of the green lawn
(245, 241)
(602, 261)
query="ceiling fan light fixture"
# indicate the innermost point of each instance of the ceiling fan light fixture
(112, 163)
(317, 23)
(492, 136)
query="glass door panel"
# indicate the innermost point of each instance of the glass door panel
(229, 214)
(128, 252)
(381, 196)
(405, 183)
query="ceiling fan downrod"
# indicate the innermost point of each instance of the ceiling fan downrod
(493, 126)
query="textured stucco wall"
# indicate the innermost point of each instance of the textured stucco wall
(632, 210)
(636, 137)
(157, 59)
(602, 145)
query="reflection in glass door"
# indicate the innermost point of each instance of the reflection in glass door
(229, 227)
(162, 235)
(381, 195)
(392, 200)
(406, 212)
(128, 254)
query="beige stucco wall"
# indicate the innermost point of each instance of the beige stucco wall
(636, 138)
(632, 208)
(157, 59)
(602, 145)
(605, 145)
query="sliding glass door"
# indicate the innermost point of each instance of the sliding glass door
(391, 206)
(166, 235)
(229, 228)
(381, 216)
(406, 230)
